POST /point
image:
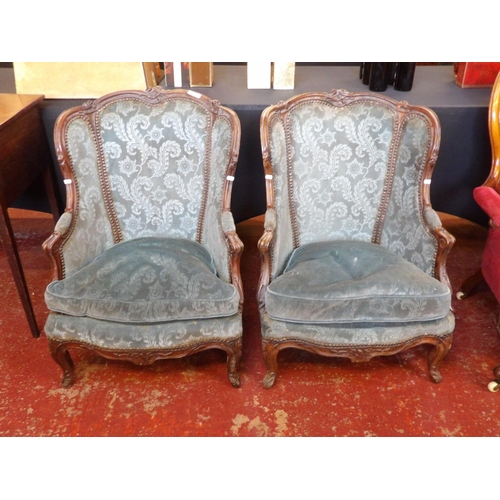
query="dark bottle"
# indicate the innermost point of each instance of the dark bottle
(379, 76)
(365, 77)
(404, 76)
(392, 73)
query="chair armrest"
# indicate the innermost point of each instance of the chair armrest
(53, 243)
(64, 223)
(489, 200)
(270, 220)
(445, 243)
(432, 218)
(265, 244)
(235, 249)
(227, 222)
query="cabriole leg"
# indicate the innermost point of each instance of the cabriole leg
(61, 356)
(436, 356)
(271, 358)
(233, 362)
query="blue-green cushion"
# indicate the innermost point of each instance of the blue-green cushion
(168, 335)
(146, 280)
(354, 282)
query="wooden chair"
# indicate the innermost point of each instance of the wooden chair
(146, 258)
(353, 255)
(488, 198)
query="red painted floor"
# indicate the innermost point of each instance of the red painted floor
(313, 396)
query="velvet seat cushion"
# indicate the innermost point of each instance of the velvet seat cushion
(354, 282)
(166, 335)
(146, 280)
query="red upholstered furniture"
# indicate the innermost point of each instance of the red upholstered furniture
(488, 198)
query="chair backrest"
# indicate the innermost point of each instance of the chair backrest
(146, 163)
(351, 166)
(493, 179)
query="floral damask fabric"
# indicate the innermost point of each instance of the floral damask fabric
(113, 335)
(155, 158)
(158, 171)
(347, 178)
(354, 282)
(404, 230)
(338, 169)
(146, 261)
(339, 160)
(213, 232)
(91, 234)
(146, 280)
(283, 242)
(355, 334)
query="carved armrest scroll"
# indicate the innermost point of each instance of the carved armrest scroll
(445, 243)
(53, 243)
(235, 249)
(265, 245)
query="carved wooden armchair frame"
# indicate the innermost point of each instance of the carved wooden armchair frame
(443, 240)
(54, 245)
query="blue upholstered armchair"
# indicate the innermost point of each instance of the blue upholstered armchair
(146, 257)
(353, 255)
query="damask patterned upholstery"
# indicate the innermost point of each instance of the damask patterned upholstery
(351, 247)
(354, 282)
(146, 280)
(146, 256)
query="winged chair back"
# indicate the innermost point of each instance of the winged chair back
(146, 256)
(347, 175)
(352, 167)
(141, 164)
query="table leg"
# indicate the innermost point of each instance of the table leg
(9, 244)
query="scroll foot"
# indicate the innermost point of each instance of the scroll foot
(271, 358)
(436, 356)
(269, 379)
(61, 356)
(233, 361)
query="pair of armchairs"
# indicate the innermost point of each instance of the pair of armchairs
(147, 260)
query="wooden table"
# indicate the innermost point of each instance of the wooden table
(24, 158)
